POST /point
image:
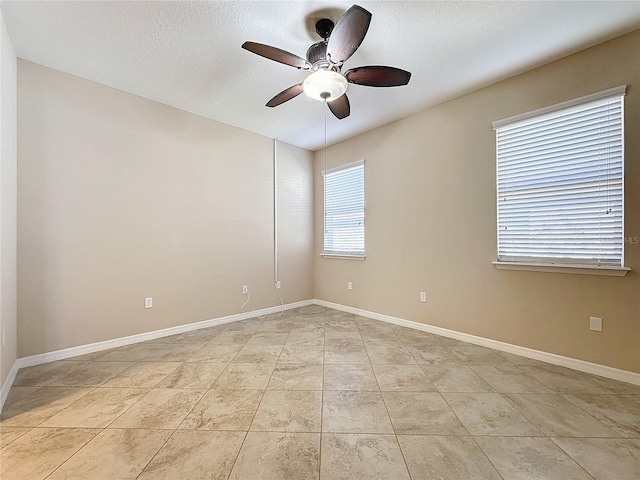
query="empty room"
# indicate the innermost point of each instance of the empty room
(294, 240)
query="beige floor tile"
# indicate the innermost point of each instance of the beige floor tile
(268, 338)
(129, 353)
(351, 456)
(306, 338)
(311, 310)
(371, 325)
(161, 408)
(275, 455)
(377, 338)
(180, 352)
(45, 374)
(91, 374)
(221, 409)
(302, 354)
(40, 451)
(9, 434)
(40, 405)
(296, 376)
(621, 413)
(245, 375)
(97, 409)
(519, 360)
(333, 315)
(215, 353)
(489, 414)
(389, 355)
(408, 378)
(276, 325)
(347, 353)
(143, 375)
(335, 337)
(193, 375)
(445, 458)
(91, 357)
(355, 412)
(557, 416)
(564, 380)
(289, 411)
(341, 324)
(258, 354)
(19, 393)
(614, 386)
(510, 379)
(476, 355)
(249, 325)
(200, 335)
(232, 337)
(113, 454)
(421, 413)
(308, 324)
(455, 394)
(456, 379)
(349, 377)
(195, 455)
(412, 337)
(526, 458)
(434, 355)
(604, 458)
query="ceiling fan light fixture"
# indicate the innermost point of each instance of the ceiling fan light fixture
(325, 85)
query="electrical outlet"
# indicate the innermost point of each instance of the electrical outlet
(278, 284)
(595, 324)
(349, 285)
(148, 302)
(423, 296)
(245, 289)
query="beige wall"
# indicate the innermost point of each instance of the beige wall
(430, 221)
(120, 198)
(8, 212)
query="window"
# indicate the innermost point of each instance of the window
(560, 184)
(344, 210)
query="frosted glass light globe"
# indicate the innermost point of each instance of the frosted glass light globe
(325, 85)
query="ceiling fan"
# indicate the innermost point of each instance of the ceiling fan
(325, 60)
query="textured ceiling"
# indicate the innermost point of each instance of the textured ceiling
(188, 55)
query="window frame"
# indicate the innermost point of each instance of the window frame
(559, 264)
(337, 253)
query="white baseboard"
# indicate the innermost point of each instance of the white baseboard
(580, 365)
(143, 337)
(6, 386)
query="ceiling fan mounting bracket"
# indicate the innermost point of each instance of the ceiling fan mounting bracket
(324, 27)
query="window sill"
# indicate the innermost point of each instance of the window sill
(576, 269)
(344, 257)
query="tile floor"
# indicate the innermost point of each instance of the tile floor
(315, 394)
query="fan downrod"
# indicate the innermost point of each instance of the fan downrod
(324, 27)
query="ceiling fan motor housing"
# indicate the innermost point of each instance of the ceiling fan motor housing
(317, 52)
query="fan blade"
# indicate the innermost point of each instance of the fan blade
(277, 55)
(340, 107)
(348, 34)
(376, 76)
(285, 95)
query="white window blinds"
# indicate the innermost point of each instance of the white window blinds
(344, 210)
(560, 180)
